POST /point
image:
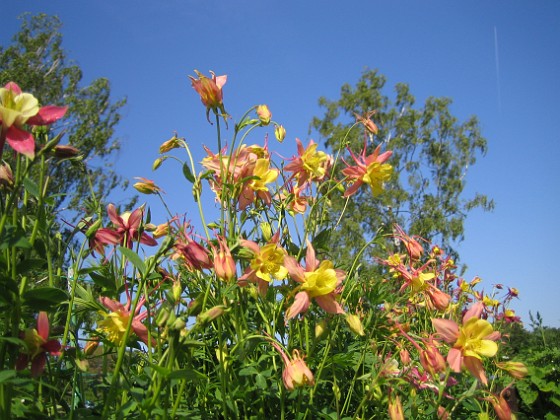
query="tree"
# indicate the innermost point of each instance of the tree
(39, 64)
(432, 152)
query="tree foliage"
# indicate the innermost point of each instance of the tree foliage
(432, 152)
(37, 61)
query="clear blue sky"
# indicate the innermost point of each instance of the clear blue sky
(289, 53)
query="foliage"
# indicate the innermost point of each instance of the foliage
(245, 316)
(37, 60)
(539, 349)
(432, 152)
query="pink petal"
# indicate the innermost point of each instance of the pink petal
(113, 215)
(295, 270)
(475, 367)
(112, 305)
(43, 325)
(454, 358)
(53, 347)
(301, 304)
(13, 87)
(311, 262)
(250, 244)
(21, 141)
(147, 240)
(108, 236)
(474, 312)
(47, 115)
(135, 219)
(448, 329)
(221, 81)
(329, 304)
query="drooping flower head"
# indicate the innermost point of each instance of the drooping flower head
(371, 170)
(38, 345)
(471, 341)
(210, 91)
(319, 281)
(17, 109)
(296, 373)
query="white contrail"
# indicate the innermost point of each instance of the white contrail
(497, 58)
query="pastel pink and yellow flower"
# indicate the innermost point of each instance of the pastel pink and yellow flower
(210, 91)
(371, 170)
(309, 165)
(18, 109)
(318, 280)
(470, 342)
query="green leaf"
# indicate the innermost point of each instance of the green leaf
(134, 258)
(31, 187)
(44, 298)
(187, 172)
(102, 281)
(6, 374)
(189, 374)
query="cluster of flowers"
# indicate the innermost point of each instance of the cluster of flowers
(242, 179)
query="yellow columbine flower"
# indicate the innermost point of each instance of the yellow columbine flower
(269, 263)
(113, 326)
(320, 282)
(264, 175)
(313, 161)
(376, 174)
(471, 339)
(16, 108)
(418, 282)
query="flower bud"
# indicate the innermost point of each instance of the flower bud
(157, 163)
(296, 373)
(211, 314)
(395, 408)
(517, 370)
(266, 230)
(161, 230)
(320, 329)
(65, 151)
(146, 186)
(264, 114)
(6, 176)
(355, 324)
(279, 133)
(173, 143)
(91, 346)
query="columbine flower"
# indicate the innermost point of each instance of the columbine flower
(471, 341)
(296, 372)
(279, 132)
(38, 345)
(16, 110)
(210, 91)
(114, 323)
(267, 264)
(415, 250)
(256, 187)
(319, 281)
(126, 229)
(371, 170)
(309, 165)
(367, 122)
(224, 264)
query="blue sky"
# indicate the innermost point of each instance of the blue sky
(289, 53)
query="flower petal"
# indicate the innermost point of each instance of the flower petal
(21, 141)
(47, 115)
(301, 304)
(43, 325)
(329, 304)
(448, 329)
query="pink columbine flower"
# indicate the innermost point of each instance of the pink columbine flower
(296, 372)
(371, 170)
(318, 280)
(309, 164)
(126, 229)
(38, 345)
(18, 109)
(210, 91)
(114, 323)
(472, 340)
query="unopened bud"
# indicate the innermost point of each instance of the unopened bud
(280, 133)
(320, 329)
(264, 114)
(266, 230)
(173, 143)
(91, 346)
(161, 230)
(157, 163)
(211, 314)
(355, 324)
(6, 176)
(65, 151)
(517, 370)
(146, 186)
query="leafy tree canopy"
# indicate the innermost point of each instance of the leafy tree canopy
(432, 152)
(37, 61)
